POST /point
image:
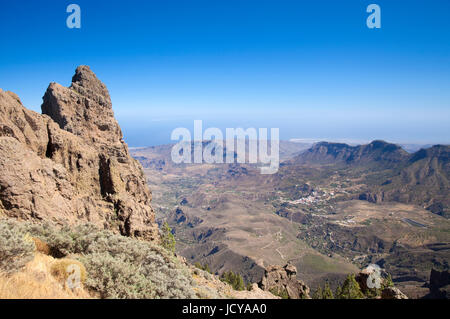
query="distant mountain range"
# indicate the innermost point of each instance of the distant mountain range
(421, 178)
(337, 153)
(410, 147)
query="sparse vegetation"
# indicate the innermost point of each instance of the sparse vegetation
(234, 279)
(319, 200)
(63, 268)
(116, 266)
(350, 289)
(326, 293)
(204, 267)
(167, 238)
(282, 293)
(16, 249)
(34, 281)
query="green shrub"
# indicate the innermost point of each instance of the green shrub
(318, 294)
(117, 266)
(387, 282)
(234, 279)
(350, 289)
(167, 238)
(16, 249)
(114, 277)
(282, 293)
(326, 293)
(204, 267)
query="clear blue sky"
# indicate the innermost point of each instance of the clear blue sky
(311, 68)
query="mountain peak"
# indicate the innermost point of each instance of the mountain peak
(441, 152)
(70, 165)
(85, 82)
(376, 151)
(84, 108)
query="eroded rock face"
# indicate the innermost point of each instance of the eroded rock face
(84, 108)
(440, 284)
(278, 279)
(71, 164)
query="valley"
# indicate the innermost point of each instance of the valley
(324, 211)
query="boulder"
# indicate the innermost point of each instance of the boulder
(392, 293)
(280, 280)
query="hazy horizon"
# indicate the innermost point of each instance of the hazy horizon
(314, 70)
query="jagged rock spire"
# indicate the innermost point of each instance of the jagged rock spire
(72, 166)
(84, 108)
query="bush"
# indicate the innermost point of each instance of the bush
(326, 293)
(387, 282)
(117, 266)
(204, 267)
(167, 238)
(234, 279)
(282, 293)
(16, 249)
(350, 289)
(116, 278)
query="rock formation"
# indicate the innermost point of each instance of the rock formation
(363, 277)
(70, 164)
(280, 280)
(392, 293)
(439, 284)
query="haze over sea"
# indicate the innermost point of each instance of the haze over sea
(312, 68)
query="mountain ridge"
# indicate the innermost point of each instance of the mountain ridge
(332, 153)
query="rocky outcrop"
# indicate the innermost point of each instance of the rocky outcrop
(283, 281)
(378, 277)
(70, 164)
(392, 293)
(439, 284)
(209, 286)
(83, 109)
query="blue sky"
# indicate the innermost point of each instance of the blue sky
(311, 68)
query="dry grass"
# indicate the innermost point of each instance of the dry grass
(60, 269)
(36, 282)
(41, 246)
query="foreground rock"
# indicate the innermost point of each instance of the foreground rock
(282, 281)
(368, 274)
(392, 293)
(71, 164)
